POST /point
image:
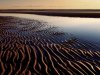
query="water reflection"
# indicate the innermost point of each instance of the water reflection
(83, 28)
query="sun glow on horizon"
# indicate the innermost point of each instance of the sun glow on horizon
(49, 4)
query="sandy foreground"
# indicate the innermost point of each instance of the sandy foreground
(32, 47)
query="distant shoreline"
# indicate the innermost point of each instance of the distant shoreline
(56, 12)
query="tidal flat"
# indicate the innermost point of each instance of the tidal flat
(44, 45)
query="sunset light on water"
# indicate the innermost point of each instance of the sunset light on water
(49, 37)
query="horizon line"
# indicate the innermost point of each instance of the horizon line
(50, 9)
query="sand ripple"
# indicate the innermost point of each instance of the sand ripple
(31, 47)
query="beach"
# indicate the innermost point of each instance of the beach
(37, 47)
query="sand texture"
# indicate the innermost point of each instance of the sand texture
(32, 47)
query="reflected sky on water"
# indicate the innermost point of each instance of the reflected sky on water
(83, 28)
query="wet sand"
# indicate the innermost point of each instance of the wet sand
(32, 47)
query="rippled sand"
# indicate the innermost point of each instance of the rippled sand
(32, 47)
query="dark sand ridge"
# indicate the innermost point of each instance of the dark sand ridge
(32, 47)
(57, 12)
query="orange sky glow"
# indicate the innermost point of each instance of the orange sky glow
(50, 4)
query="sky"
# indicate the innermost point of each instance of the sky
(49, 4)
